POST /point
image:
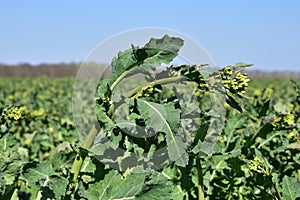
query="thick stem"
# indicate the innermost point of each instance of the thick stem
(151, 84)
(277, 193)
(79, 158)
(200, 179)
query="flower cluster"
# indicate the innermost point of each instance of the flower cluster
(15, 113)
(257, 165)
(227, 71)
(293, 136)
(235, 82)
(147, 91)
(284, 121)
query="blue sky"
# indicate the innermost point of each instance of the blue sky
(263, 32)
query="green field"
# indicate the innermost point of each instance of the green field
(44, 134)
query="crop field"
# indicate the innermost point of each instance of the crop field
(255, 154)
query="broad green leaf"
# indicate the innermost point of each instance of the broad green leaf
(178, 193)
(218, 162)
(11, 160)
(58, 185)
(43, 176)
(155, 52)
(165, 118)
(290, 188)
(157, 192)
(114, 186)
(147, 58)
(234, 123)
(41, 172)
(157, 188)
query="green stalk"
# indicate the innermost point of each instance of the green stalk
(80, 158)
(115, 83)
(200, 179)
(277, 193)
(151, 84)
(240, 193)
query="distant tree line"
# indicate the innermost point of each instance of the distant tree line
(273, 74)
(44, 69)
(70, 70)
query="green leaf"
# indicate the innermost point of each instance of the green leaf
(11, 161)
(242, 65)
(8, 193)
(157, 188)
(41, 172)
(166, 118)
(296, 86)
(290, 188)
(265, 108)
(218, 162)
(155, 52)
(147, 58)
(234, 123)
(262, 132)
(178, 193)
(114, 186)
(199, 138)
(233, 103)
(43, 176)
(101, 114)
(58, 185)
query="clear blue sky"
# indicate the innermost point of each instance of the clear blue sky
(263, 32)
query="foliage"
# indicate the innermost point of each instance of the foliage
(193, 150)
